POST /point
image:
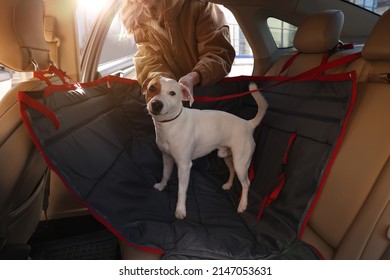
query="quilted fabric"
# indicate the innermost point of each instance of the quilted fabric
(100, 140)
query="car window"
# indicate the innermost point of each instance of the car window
(87, 13)
(282, 32)
(117, 52)
(243, 63)
(9, 78)
(5, 81)
(376, 6)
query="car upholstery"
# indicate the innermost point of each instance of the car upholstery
(351, 219)
(352, 216)
(24, 175)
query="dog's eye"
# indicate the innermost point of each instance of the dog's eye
(172, 93)
(152, 88)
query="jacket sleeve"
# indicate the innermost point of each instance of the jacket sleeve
(216, 54)
(149, 63)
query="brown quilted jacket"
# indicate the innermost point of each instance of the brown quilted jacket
(194, 37)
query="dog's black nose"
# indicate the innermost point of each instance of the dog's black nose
(156, 106)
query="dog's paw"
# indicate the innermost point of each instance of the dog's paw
(159, 186)
(227, 186)
(180, 214)
(241, 207)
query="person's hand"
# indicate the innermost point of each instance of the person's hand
(190, 80)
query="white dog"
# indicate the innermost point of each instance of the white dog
(184, 134)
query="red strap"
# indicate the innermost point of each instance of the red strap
(53, 70)
(44, 110)
(267, 201)
(41, 76)
(340, 46)
(289, 144)
(275, 193)
(325, 58)
(289, 62)
(324, 67)
(270, 197)
(61, 74)
(305, 75)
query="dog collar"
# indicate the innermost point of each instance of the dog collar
(165, 121)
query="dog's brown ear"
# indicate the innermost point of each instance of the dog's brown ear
(187, 95)
(154, 78)
(145, 85)
(151, 87)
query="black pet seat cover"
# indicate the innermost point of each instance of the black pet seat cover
(100, 140)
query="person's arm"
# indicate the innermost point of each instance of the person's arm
(216, 54)
(149, 63)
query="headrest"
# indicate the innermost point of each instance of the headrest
(377, 46)
(320, 32)
(22, 35)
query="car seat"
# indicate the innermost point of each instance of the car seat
(352, 217)
(316, 38)
(23, 172)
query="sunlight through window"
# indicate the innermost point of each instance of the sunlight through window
(94, 6)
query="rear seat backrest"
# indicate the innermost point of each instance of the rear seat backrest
(315, 37)
(352, 217)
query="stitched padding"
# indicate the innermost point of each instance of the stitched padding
(121, 162)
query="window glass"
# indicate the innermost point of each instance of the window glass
(87, 13)
(282, 32)
(118, 47)
(243, 63)
(376, 6)
(118, 50)
(5, 81)
(9, 79)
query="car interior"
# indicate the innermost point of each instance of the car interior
(40, 219)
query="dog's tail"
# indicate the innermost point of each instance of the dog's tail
(262, 105)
